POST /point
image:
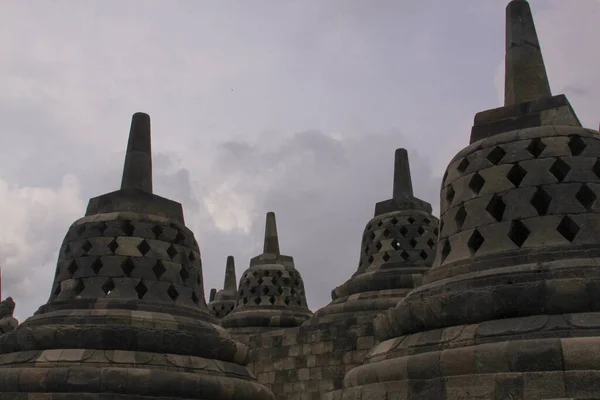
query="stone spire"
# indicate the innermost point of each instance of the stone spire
(271, 291)
(398, 246)
(137, 172)
(224, 301)
(511, 306)
(271, 239)
(525, 73)
(128, 281)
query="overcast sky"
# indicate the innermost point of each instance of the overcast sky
(291, 106)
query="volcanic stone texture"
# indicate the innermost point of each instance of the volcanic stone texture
(510, 308)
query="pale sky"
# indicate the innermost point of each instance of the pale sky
(291, 106)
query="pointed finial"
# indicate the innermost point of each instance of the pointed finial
(213, 293)
(230, 281)
(402, 179)
(137, 173)
(271, 238)
(525, 73)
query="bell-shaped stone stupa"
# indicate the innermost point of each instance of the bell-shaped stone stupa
(511, 307)
(126, 318)
(224, 300)
(398, 246)
(271, 291)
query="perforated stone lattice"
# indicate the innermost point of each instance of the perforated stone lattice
(505, 194)
(398, 238)
(221, 309)
(125, 259)
(271, 287)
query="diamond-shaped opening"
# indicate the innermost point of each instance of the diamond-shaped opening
(586, 197)
(159, 269)
(464, 164)
(385, 257)
(541, 201)
(245, 300)
(96, 265)
(568, 228)
(450, 194)
(403, 231)
(496, 155)
(108, 287)
(265, 290)
(368, 227)
(86, 246)
(299, 302)
(80, 229)
(143, 247)
(396, 244)
(272, 299)
(378, 246)
(287, 301)
(128, 228)
(436, 231)
(596, 168)
(179, 238)
(127, 266)
(198, 279)
(141, 290)
(195, 298)
(183, 273)
(254, 273)
(496, 207)
(476, 183)
(426, 221)
(386, 232)
(371, 259)
(173, 293)
(405, 256)
(172, 251)
(297, 282)
(267, 273)
(157, 230)
(72, 268)
(475, 241)
(410, 220)
(79, 288)
(366, 249)
(260, 281)
(516, 174)
(536, 147)
(102, 227)
(394, 221)
(257, 300)
(518, 232)
(280, 290)
(413, 242)
(192, 257)
(423, 254)
(446, 248)
(431, 243)
(576, 145)
(372, 235)
(113, 245)
(421, 230)
(560, 169)
(292, 291)
(380, 222)
(460, 217)
(252, 290)
(273, 281)
(279, 273)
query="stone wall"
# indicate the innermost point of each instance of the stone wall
(305, 362)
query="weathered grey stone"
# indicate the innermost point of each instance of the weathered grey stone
(224, 301)
(126, 316)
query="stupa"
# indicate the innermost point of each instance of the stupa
(224, 300)
(511, 307)
(271, 291)
(126, 318)
(398, 246)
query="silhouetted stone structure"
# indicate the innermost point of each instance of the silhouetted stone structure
(126, 318)
(271, 291)
(510, 308)
(8, 323)
(223, 301)
(398, 246)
